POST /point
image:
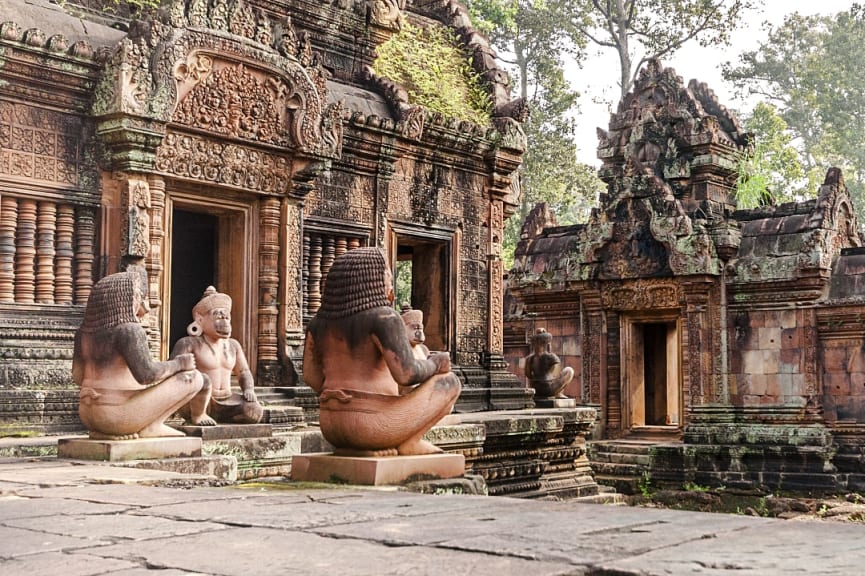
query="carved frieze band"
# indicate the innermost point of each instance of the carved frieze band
(642, 295)
(496, 330)
(198, 158)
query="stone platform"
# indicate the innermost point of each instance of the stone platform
(375, 471)
(122, 450)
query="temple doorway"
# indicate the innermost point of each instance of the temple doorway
(652, 374)
(422, 267)
(210, 242)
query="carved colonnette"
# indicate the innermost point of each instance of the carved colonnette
(48, 208)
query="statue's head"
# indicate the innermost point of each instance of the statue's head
(212, 315)
(119, 298)
(358, 280)
(413, 320)
(541, 340)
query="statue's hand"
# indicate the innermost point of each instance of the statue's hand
(186, 361)
(249, 395)
(442, 361)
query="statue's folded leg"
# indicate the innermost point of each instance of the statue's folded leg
(120, 414)
(361, 421)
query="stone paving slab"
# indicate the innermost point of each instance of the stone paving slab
(60, 564)
(135, 495)
(52, 472)
(304, 511)
(86, 529)
(271, 552)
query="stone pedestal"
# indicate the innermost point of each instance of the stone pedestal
(375, 471)
(123, 450)
(224, 431)
(555, 403)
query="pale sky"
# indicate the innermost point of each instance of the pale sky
(692, 61)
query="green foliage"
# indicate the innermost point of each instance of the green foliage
(771, 172)
(694, 487)
(644, 485)
(809, 68)
(435, 71)
(402, 283)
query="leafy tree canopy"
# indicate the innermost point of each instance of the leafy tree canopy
(533, 39)
(639, 30)
(771, 172)
(809, 67)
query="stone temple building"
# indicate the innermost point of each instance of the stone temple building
(722, 346)
(243, 144)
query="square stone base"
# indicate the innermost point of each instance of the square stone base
(375, 471)
(228, 431)
(555, 403)
(122, 450)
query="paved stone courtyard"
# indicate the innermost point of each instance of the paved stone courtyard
(74, 519)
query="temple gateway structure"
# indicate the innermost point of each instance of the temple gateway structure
(721, 346)
(242, 144)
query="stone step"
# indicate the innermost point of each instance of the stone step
(623, 485)
(617, 469)
(620, 447)
(635, 459)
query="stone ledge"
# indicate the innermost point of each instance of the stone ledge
(226, 431)
(375, 471)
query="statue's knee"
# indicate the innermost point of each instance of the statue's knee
(205, 382)
(193, 380)
(450, 384)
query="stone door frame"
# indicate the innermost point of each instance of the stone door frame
(633, 381)
(237, 258)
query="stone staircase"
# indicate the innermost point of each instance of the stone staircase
(621, 464)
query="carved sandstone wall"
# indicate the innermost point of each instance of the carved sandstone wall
(265, 115)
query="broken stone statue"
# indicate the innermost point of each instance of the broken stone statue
(124, 393)
(544, 370)
(357, 356)
(218, 356)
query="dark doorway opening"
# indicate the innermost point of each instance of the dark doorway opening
(655, 373)
(194, 242)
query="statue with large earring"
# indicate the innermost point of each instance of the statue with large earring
(218, 356)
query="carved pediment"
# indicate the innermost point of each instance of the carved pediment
(240, 102)
(223, 68)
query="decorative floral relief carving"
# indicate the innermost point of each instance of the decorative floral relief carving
(641, 296)
(199, 158)
(41, 144)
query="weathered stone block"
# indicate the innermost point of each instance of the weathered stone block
(769, 338)
(121, 450)
(372, 471)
